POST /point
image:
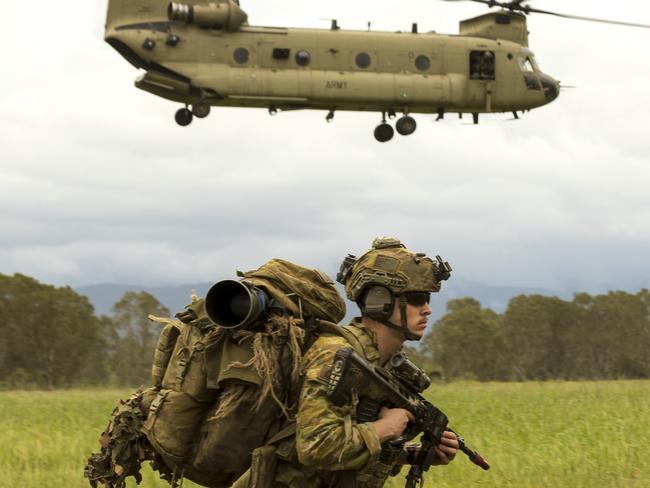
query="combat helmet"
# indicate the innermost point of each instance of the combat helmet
(388, 272)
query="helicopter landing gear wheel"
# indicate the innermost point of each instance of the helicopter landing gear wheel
(384, 132)
(406, 125)
(184, 117)
(200, 110)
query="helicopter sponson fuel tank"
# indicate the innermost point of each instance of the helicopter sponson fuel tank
(205, 54)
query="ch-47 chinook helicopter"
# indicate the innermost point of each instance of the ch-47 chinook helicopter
(203, 53)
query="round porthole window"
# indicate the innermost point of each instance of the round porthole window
(241, 55)
(302, 58)
(363, 60)
(422, 62)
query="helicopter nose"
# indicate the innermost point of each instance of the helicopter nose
(551, 87)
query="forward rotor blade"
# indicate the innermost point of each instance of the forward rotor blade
(487, 2)
(518, 6)
(589, 19)
(512, 5)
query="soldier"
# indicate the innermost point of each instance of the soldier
(392, 286)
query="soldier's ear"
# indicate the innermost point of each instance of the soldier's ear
(377, 303)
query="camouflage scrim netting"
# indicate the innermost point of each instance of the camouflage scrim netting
(124, 447)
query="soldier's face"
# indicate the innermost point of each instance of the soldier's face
(417, 317)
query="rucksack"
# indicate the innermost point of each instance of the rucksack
(218, 394)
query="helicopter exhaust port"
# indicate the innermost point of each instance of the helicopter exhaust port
(225, 15)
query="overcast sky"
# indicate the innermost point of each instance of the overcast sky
(98, 184)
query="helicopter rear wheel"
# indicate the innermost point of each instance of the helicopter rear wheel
(183, 117)
(200, 110)
(384, 132)
(406, 125)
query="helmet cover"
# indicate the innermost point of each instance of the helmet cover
(391, 265)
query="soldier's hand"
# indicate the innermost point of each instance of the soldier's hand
(447, 448)
(392, 423)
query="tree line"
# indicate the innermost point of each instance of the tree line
(543, 338)
(50, 337)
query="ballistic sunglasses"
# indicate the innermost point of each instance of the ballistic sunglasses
(417, 298)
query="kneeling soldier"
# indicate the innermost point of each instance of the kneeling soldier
(392, 286)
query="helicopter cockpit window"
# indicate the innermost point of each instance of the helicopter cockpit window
(481, 65)
(240, 55)
(363, 60)
(532, 83)
(422, 62)
(303, 58)
(526, 64)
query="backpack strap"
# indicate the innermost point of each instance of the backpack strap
(343, 331)
(285, 433)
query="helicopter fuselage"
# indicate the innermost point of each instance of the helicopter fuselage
(330, 69)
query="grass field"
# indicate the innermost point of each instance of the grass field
(591, 434)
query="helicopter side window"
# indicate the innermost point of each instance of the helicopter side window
(363, 60)
(241, 55)
(422, 62)
(281, 53)
(303, 58)
(481, 65)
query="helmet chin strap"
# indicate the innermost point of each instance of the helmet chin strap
(403, 328)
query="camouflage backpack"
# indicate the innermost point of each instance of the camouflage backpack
(218, 393)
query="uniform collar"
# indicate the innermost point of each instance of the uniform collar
(369, 340)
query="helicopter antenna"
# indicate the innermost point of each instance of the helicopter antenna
(521, 6)
(334, 24)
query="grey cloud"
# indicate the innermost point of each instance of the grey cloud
(99, 185)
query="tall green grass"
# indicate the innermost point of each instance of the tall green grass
(555, 434)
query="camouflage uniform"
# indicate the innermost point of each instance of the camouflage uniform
(328, 439)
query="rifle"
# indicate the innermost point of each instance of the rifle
(376, 388)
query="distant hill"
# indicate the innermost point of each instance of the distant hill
(103, 296)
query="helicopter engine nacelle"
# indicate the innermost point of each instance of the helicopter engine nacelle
(226, 15)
